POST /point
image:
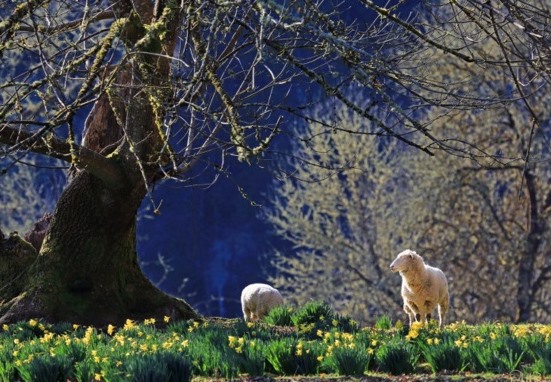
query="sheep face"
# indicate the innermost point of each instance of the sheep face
(405, 260)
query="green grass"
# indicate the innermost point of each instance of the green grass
(308, 341)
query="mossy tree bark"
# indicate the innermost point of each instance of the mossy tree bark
(87, 270)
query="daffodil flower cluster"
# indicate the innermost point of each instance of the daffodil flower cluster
(108, 352)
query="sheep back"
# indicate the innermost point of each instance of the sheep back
(258, 299)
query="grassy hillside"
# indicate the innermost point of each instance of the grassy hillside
(311, 342)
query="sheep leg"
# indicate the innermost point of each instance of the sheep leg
(428, 308)
(260, 313)
(415, 309)
(442, 309)
(410, 308)
(247, 314)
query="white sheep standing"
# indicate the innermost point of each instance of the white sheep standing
(423, 287)
(258, 299)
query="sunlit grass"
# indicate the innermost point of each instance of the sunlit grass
(318, 342)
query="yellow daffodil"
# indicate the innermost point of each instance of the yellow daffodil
(46, 338)
(412, 334)
(129, 324)
(167, 344)
(416, 326)
(347, 337)
(149, 321)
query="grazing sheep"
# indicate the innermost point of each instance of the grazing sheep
(423, 287)
(258, 299)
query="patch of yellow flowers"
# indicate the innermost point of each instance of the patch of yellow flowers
(111, 346)
(25, 352)
(414, 330)
(523, 330)
(237, 343)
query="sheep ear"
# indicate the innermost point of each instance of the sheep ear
(411, 256)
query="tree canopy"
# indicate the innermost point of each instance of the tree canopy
(481, 214)
(233, 67)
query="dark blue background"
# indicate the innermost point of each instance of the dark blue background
(214, 237)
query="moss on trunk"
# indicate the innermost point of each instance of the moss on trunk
(87, 270)
(16, 256)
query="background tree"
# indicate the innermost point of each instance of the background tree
(482, 214)
(500, 192)
(179, 85)
(340, 208)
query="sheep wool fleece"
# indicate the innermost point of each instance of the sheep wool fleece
(258, 299)
(423, 287)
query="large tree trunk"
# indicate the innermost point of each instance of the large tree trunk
(87, 270)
